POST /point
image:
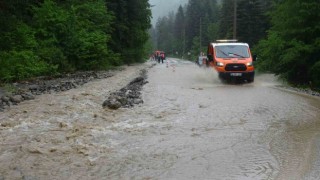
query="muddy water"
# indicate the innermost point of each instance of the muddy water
(191, 126)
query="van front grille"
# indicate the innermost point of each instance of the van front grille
(236, 67)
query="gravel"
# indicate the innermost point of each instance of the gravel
(127, 96)
(27, 90)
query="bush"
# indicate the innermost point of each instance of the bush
(17, 65)
(315, 75)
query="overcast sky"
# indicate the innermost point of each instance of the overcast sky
(163, 7)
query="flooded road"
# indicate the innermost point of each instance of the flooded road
(191, 126)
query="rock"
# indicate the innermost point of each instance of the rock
(128, 92)
(28, 96)
(16, 99)
(112, 104)
(5, 98)
(137, 80)
(138, 101)
(129, 95)
(122, 100)
(2, 108)
(34, 87)
(74, 85)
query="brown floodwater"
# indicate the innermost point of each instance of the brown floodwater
(191, 126)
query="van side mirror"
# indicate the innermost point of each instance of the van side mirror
(254, 57)
(210, 58)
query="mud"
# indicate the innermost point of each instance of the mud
(190, 126)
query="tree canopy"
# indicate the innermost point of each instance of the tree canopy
(284, 34)
(292, 47)
(45, 37)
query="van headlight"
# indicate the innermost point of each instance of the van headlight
(249, 64)
(220, 64)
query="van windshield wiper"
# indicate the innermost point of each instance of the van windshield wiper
(227, 55)
(237, 55)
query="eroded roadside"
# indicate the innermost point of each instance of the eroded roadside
(60, 134)
(15, 93)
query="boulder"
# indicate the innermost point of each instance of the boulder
(28, 96)
(112, 104)
(5, 98)
(138, 101)
(34, 87)
(16, 99)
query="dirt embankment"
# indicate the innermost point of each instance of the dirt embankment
(62, 133)
(15, 93)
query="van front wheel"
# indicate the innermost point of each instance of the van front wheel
(250, 79)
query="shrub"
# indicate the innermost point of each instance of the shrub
(315, 75)
(17, 65)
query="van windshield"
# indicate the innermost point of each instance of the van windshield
(232, 51)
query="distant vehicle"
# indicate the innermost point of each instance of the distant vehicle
(231, 60)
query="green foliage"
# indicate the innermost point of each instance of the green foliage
(213, 31)
(315, 75)
(226, 20)
(195, 48)
(51, 24)
(176, 32)
(75, 38)
(165, 34)
(17, 65)
(18, 59)
(252, 21)
(292, 48)
(9, 89)
(199, 16)
(87, 48)
(131, 24)
(179, 31)
(43, 37)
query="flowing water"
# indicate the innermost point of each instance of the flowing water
(191, 126)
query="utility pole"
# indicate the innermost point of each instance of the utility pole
(235, 20)
(200, 34)
(184, 41)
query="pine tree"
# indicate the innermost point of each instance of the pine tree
(292, 48)
(193, 16)
(251, 21)
(130, 28)
(226, 20)
(179, 31)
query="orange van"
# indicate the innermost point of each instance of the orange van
(231, 59)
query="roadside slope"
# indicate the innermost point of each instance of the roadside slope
(52, 134)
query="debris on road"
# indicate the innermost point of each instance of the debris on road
(129, 95)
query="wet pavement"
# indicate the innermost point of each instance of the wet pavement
(191, 126)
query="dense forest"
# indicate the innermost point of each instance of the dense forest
(193, 26)
(48, 37)
(283, 33)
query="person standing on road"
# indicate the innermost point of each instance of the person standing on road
(162, 57)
